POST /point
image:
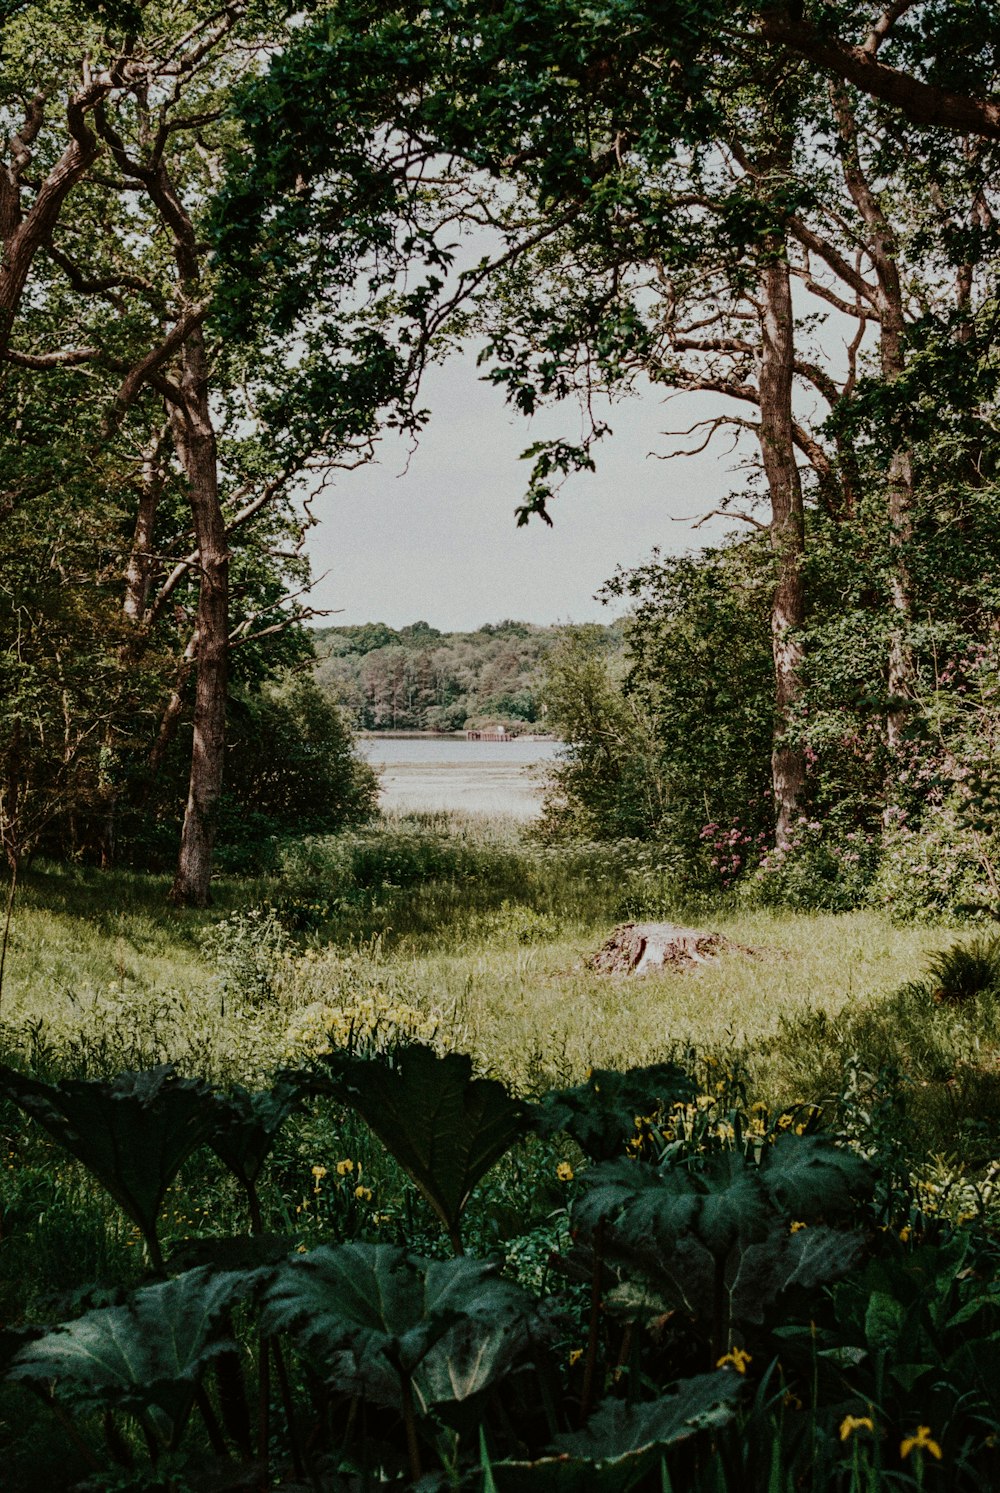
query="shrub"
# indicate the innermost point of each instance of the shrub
(814, 870)
(965, 970)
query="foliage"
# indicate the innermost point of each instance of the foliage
(418, 678)
(734, 1264)
(444, 1127)
(134, 1134)
(815, 868)
(966, 970)
(145, 1356)
(601, 1114)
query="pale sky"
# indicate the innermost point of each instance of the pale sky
(440, 544)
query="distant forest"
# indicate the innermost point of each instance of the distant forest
(421, 679)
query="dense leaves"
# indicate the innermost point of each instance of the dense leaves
(145, 1355)
(444, 1127)
(134, 1133)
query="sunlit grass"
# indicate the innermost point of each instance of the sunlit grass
(539, 1012)
(502, 960)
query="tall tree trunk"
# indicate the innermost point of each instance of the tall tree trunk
(787, 528)
(882, 247)
(139, 570)
(195, 438)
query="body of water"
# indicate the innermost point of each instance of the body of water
(448, 772)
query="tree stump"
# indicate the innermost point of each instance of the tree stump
(636, 948)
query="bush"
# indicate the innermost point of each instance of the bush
(931, 872)
(814, 870)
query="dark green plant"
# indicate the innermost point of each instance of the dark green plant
(712, 1236)
(247, 1126)
(134, 1133)
(145, 1357)
(445, 1127)
(601, 1114)
(965, 970)
(399, 1330)
(621, 1443)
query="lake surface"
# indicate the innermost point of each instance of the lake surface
(448, 772)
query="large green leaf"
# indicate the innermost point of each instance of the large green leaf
(783, 1262)
(371, 1314)
(620, 1442)
(807, 1177)
(248, 1125)
(134, 1133)
(444, 1127)
(656, 1206)
(145, 1355)
(600, 1114)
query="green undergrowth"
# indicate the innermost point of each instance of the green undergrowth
(452, 937)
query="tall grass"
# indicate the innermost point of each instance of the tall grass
(463, 919)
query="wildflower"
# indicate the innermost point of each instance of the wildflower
(319, 1172)
(798, 1224)
(852, 1423)
(921, 1441)
(344, 1167)
(564, 1172)
(905, 1232)
(363, 1194)
(791, 1401)
(739, 1359)
(575, 1356)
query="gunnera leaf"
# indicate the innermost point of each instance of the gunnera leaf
(653, 1207)
(785, 1262)
(145, 1355)
(444, 1127)
(371, 1314)
(248, 1124)
(600, 1114)
(133, 1133)
(620, 1442)
(807, 1177)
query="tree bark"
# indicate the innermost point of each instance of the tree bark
(882, 247)
(923, 103)
(194, 435)
(139, 571)
(24, 233)
(787, 527)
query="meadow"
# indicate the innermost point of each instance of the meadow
(838, 1081)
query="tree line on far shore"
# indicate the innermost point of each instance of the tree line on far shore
(417, 678)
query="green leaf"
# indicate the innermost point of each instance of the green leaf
(884, 1320)
(653, 1207)
(248, 1125)
(145, 1355)
(621, 1442)
(600, 1114)
(372, 1314)
(133, 1134)
(444, 1127)
(807, 1177)
(785, 1262)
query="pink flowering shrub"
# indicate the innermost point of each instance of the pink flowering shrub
(815, 868)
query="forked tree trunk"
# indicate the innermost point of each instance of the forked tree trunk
(787, 527)
(195, 438)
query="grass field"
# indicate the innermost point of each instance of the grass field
(834, 1033)
(494, 944)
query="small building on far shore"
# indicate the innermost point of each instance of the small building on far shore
(490, 733)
